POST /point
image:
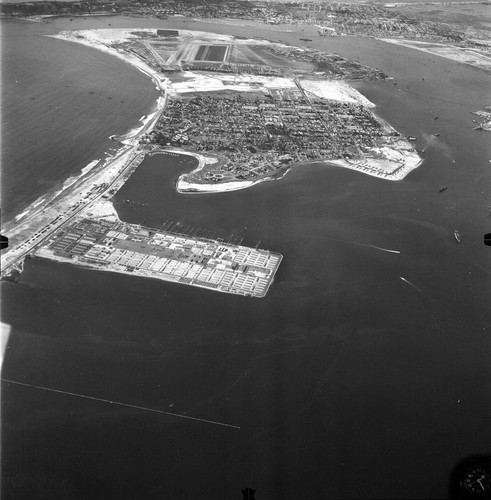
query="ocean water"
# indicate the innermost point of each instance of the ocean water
(345, 380)
(61, 102)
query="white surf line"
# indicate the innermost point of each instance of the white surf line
(373, 246)
(121, 404)
(410, 284)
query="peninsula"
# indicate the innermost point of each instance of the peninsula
(249, 110)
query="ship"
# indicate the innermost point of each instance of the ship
(443, 188)
(411, 138)
(457, 236)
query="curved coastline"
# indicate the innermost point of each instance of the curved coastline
(380, 168)
(391, 162)
(17, 223)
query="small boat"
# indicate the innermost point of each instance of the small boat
(436, 118)
(411, 138)
(457, 236)
(436, 134)
(443, 188)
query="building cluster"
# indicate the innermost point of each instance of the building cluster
(158, 254)
(332, 18)
(253, 69)
(377, 20)
(262, 134)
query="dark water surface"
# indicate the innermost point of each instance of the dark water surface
(61, 102)
(345, 381)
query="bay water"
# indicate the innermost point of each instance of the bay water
(346, 380)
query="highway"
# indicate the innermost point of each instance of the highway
(46, 232)
(13, 259)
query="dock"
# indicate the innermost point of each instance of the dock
(218, 264)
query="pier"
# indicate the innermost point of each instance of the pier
(173, 252)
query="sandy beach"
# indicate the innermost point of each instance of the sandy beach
(391, 162)
(84, 193)
(457, 54)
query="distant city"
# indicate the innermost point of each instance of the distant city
(331, 19)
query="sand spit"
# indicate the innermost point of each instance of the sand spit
(102, 40)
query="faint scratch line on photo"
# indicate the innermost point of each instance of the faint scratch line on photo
(178, 415)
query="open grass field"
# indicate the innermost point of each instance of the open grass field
(255, 54)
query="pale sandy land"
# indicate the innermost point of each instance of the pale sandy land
(102, 209)
(382, 169)
(18, 217)
(47, 212)
(388, 169)
(69, 182)
(36, 203)
(202, 160)
(93, 39)
(183, 186)
(337, 91)
(457, 54)
(328, 89)
(205, 82)
(334, 90)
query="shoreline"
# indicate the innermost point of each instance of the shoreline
(82, 194)
(394, 166)
(95, 43)
(47, 254)
(452, 52)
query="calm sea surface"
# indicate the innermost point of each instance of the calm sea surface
(345, 381)
(61, 102)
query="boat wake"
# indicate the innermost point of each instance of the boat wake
(377, 248)
(412, 284)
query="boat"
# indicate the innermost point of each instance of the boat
(411, 138)
(436, 134)
(443, 188)
(457, 236)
